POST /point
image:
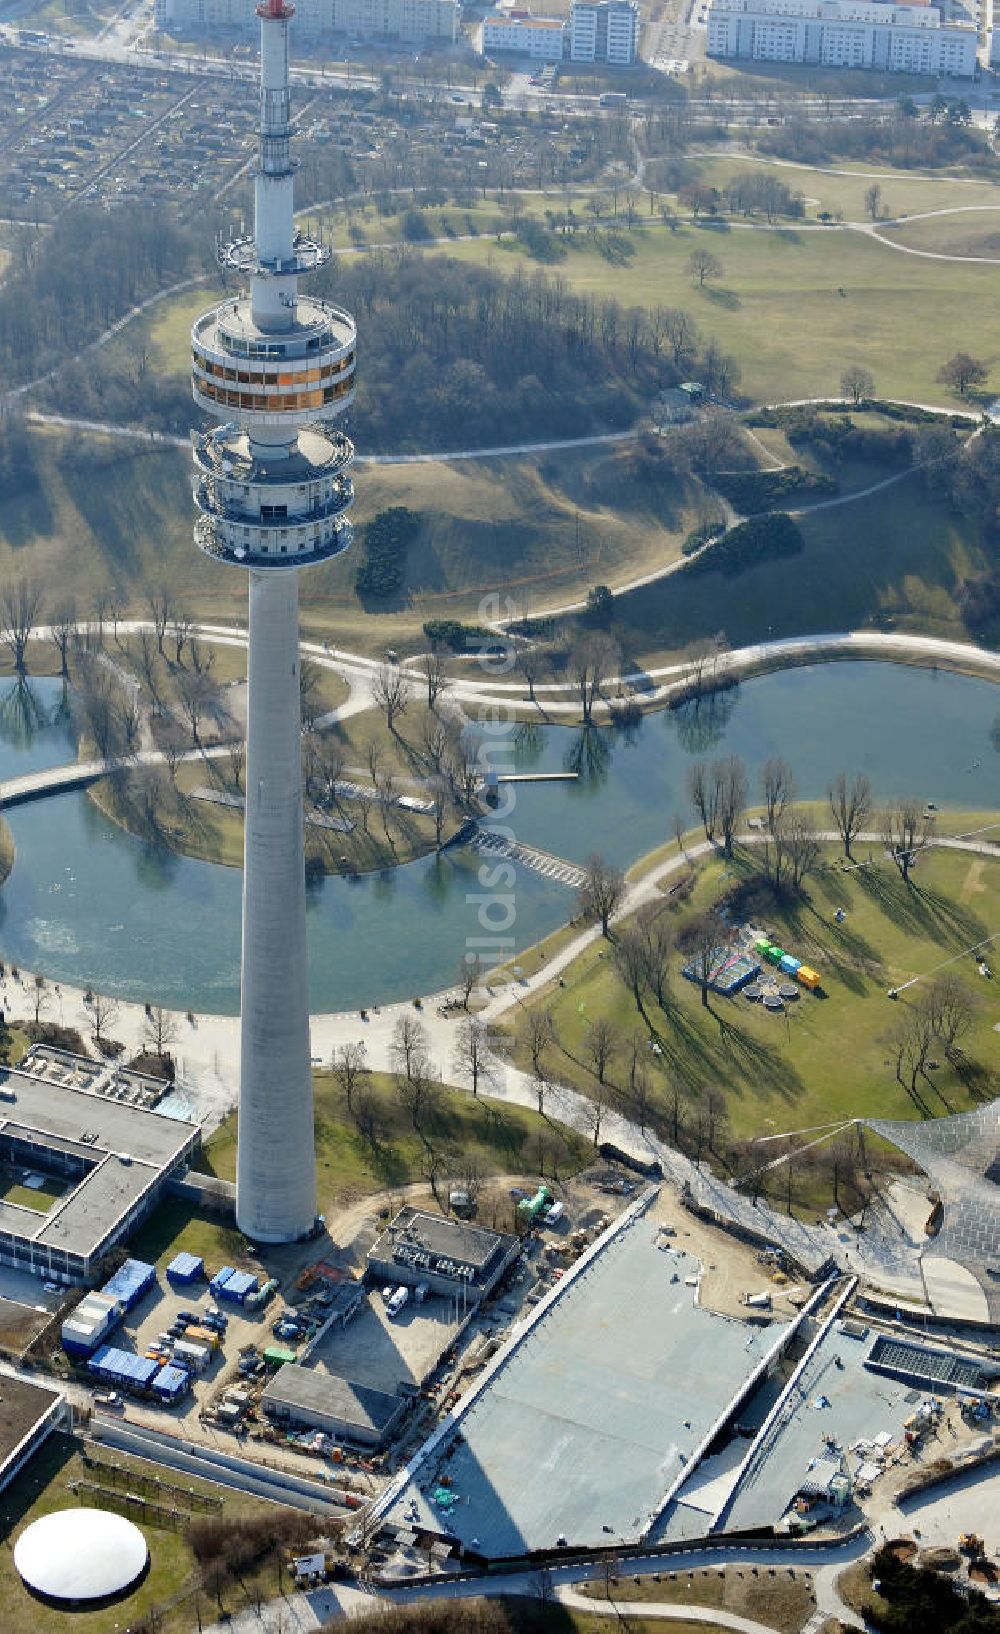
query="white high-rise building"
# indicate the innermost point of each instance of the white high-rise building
(273, 488)
(842, 34)
(607, 31)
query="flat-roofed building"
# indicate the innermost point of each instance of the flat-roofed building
(365, 19)
(527, 36)
(607, 31)
(339, 1406)
(451, 1257)
(115, 1159)
(28, 1415)
(842, 34)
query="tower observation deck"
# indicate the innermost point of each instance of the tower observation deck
(272, 489)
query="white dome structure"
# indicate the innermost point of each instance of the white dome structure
(80, 1555)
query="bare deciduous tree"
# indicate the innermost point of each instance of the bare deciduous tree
(601, 1043)
(62, 629)
(777, 788)
(857, 384)
(159, 1030)
(435, 674)
(390, 692)
(704, 266)
(851, 805)
(602, 891)
(470, 974)
(537, 1034)
(409, 1046)
(791, 850)
(731, 798)
(20, 605)
(310, 694)
(905, 831)
(104, 1012)
(437, 788)
(533, 663)
(951, 1009)
(701, 940)
(349, 1065)
(181, 626)
(471, 1057)
(237, 761)
(160, 603)
(592, 660)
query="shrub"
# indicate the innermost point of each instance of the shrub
(457, 637)
(759, 539)
(754, 491)
(387, 538)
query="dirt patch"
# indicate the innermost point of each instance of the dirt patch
(732, 1268)
(972, 885)
(903, 1548)
(782, 1597)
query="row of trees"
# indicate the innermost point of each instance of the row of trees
(719, 792)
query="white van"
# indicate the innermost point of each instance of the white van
(555, 1214)
(397, 1302)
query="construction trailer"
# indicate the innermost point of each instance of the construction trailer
(130, 1282)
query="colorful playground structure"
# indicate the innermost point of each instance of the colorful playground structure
(735, 966)
(787, 963)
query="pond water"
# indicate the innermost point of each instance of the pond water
(87, 903)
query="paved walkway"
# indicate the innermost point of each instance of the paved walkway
(668, 1611)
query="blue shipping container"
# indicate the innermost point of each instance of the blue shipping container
(220, 1278)
(238, 1286)
(789, 965)
(171, 1383)
(130, 1282)
(124, 1367)
(184, 1268)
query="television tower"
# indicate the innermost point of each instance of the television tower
(273, 488)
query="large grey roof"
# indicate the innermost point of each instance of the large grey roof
(127, 1145)
(304, 1389)
(594, 1415)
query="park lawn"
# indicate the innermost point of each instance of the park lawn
(500, 1138)
(228, 667)
(894, 559)
(200, 828)
(794, 306)
(541, 528)
(977, 233)
(787, 1071)
(46, 1485)
(781, 1598)
(843, 186)
(165, 328)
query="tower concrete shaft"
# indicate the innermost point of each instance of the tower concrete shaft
(272, 489)
(276, 1168)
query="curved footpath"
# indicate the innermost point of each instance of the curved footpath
(302, 1613)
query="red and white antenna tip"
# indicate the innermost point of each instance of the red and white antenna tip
(279, 10)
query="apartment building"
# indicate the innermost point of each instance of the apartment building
(410, 20)
(606, 31)
(842, 34)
